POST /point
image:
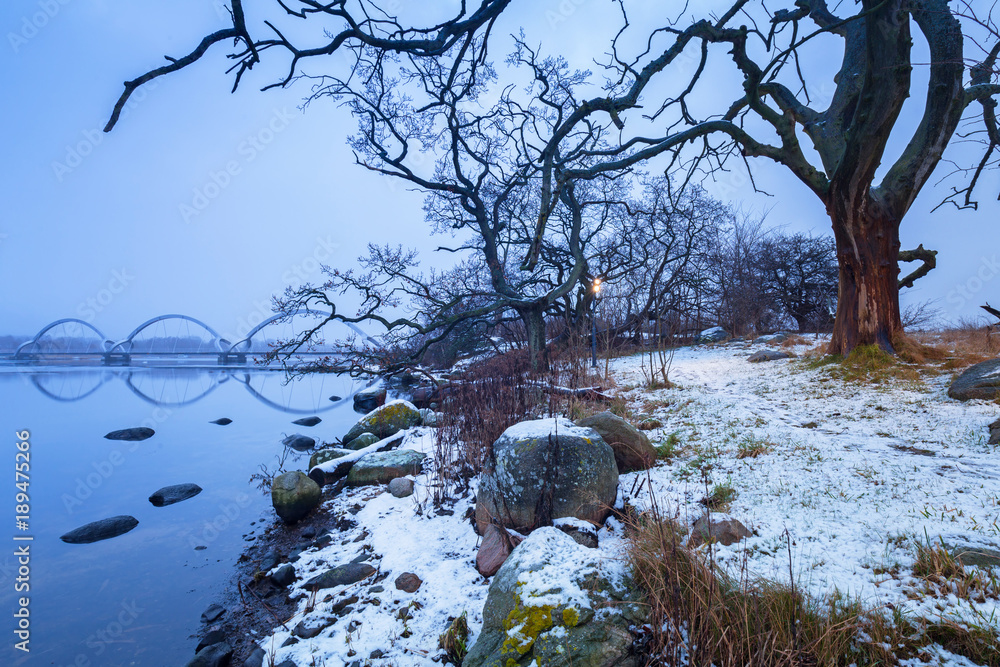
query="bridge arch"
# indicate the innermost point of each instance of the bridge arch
(245, 341)
(120, 346)
(105, 343)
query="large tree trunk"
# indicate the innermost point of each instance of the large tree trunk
(867, 254)
(534, 323)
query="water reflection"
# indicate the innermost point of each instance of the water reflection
(179, 386)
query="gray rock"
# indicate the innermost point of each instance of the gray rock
(713, 335)
(386, 420)
(324, 455)
(294, 495)
(361, 441)
(100, 530)
(383, 467)
(299, 442)
(536, 619)
(632, 448)
(341, 575)
(429, 418)
(978, 556)
(169, 495)
(284, 575)
(771, 339)
(368, 399)
(215, 655)
(213, 613)
(303, 631)
(256, 658)
(723, 531)
(544, 470)
(286, 663)
(211, 637)
(307, 421)
(979, 381)
(995, 433)
(769, 355)
(224, 421)
(582, 532)
(401, 487)
(131, 434)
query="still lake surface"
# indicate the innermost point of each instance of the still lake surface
(137, 599)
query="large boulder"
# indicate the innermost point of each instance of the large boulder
(543, 470)
(713, 335)
(294, 495)
(979, 381)
(632, 448)
(557, 603)
(386, 420)
(368, 399)
(383, 467)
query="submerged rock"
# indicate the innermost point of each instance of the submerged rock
(632, 448)
(299, 442)
(558, 604)
(383, 467)
(224, 421)
(131, 434)
(387, 420)
(979, 381)
(294, 495)
(307, 421)
(547, 469)
(101, 530)
(169, 495)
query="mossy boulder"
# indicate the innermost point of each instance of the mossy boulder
(383, 467)
(557, 603)
(633, 450)
(544, 470)
(361, 441)
(386, 420)
(324, 455)
(294, 495)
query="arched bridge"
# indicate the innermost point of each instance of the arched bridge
(173, 335)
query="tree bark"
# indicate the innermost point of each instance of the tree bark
(867, 256)
(534, 323)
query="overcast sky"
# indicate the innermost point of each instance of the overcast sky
(206, 203)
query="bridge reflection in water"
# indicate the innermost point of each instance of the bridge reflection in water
(179, 386)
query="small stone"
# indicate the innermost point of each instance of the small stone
(408, 582)
(304, 631)
(307, 421)
(215, 655)
(256, 658)
(212, 614)
(336, 398)
(224, 421)
(496, 546)
(131, 434)
(376, 589)
(401, 487)
(284, 575)
(725, 531)
(169, 495)
(291, 641)
(361, 441)
(299, 442)
(210, 638)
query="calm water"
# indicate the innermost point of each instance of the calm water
(136, 599)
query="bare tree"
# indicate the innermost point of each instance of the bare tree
(800, 277)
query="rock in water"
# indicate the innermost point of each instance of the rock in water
(632, 448)
(769, 355)
(336, 398)
(387, 420)
(383, 467)
(294, 495)
(549, 605)
(101, 530)
(307, 421)
(547, 469)
(299, 442)
(131, 434)
(169, 495)
(224, 421)
(362, 441)
(368, 399)
(979, 381)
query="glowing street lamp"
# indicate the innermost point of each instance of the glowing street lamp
(593, 324)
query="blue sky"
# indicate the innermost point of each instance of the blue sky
(205, 203)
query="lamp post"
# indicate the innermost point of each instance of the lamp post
(593, 324)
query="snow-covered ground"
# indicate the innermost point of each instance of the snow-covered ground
(854, 474)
